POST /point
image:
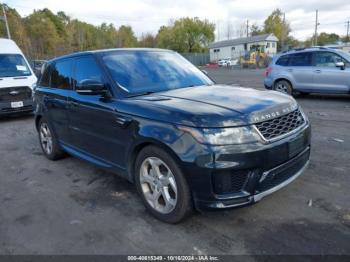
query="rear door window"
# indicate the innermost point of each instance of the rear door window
(61, 74)
(86, 68)
(301, 59)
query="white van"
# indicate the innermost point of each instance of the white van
(17, 80)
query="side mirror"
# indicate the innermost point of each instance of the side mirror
(341, 65)
(90, 87)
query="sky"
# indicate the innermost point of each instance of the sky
(148, 15)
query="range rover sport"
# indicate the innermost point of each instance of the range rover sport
(152, 117)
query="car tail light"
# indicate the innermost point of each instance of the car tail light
(268, 70)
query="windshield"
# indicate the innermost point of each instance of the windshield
(12, 65)
(345, 55)
(152, 71)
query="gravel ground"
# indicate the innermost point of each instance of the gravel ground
(71, 207)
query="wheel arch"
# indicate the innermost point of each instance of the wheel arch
(283, 79)
(37, 120)
(137, 148)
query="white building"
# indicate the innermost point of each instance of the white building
(340, 46)
(346, 48)
(236, 48)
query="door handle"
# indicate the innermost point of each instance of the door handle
(290, 70)
(74, 103)
(123, 121)
(317, 71)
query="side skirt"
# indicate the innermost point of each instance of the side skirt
(101, 163)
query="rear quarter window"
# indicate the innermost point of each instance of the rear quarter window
(300, 59)
(283, 60)
(45, 77)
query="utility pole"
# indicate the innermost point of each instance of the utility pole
(247, 28)
(6, 23)
(347, 31)
(316, 27)
(283, 32)
(218, 26)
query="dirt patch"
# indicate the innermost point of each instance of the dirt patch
(24, 220)
(301, 237)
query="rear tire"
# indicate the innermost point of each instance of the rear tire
(162, 185)
(48, 141)
(283, 86)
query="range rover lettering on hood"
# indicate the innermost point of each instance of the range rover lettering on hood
(272, 113)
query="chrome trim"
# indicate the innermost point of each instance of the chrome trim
(264, 140)
(222, 205)
(258, 197)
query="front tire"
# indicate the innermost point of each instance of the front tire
(162, 185)
(283, 86)
(48, 141)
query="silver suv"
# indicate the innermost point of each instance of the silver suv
(311, 70)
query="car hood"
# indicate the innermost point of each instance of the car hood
(211, 106)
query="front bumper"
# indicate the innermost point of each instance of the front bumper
(252, 171)
(261, 195)
(6, 109)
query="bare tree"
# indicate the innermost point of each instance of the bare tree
(241, 30)
(229, 30)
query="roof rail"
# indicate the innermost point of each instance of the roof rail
(320, 47)
(294, 49)
(306, 48)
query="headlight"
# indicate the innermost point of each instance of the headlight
(223, 136)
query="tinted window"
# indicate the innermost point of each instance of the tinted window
(45, 77)
(61, 74)
(328, 59)
(300, 59)
(87, 68)
(153, 71)
(12, 65)
(283, 60)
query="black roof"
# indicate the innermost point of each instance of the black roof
(107, 50)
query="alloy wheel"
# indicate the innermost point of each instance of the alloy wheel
(46, 138)
(158, 185)
(281, 87)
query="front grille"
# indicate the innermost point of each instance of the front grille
(20, 93)
(279, 175)
(229, 181)
(281, 125)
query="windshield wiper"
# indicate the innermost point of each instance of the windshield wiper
(20, 77)
(141, 94)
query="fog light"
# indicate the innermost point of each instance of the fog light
(229, 181)
(220, 205)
